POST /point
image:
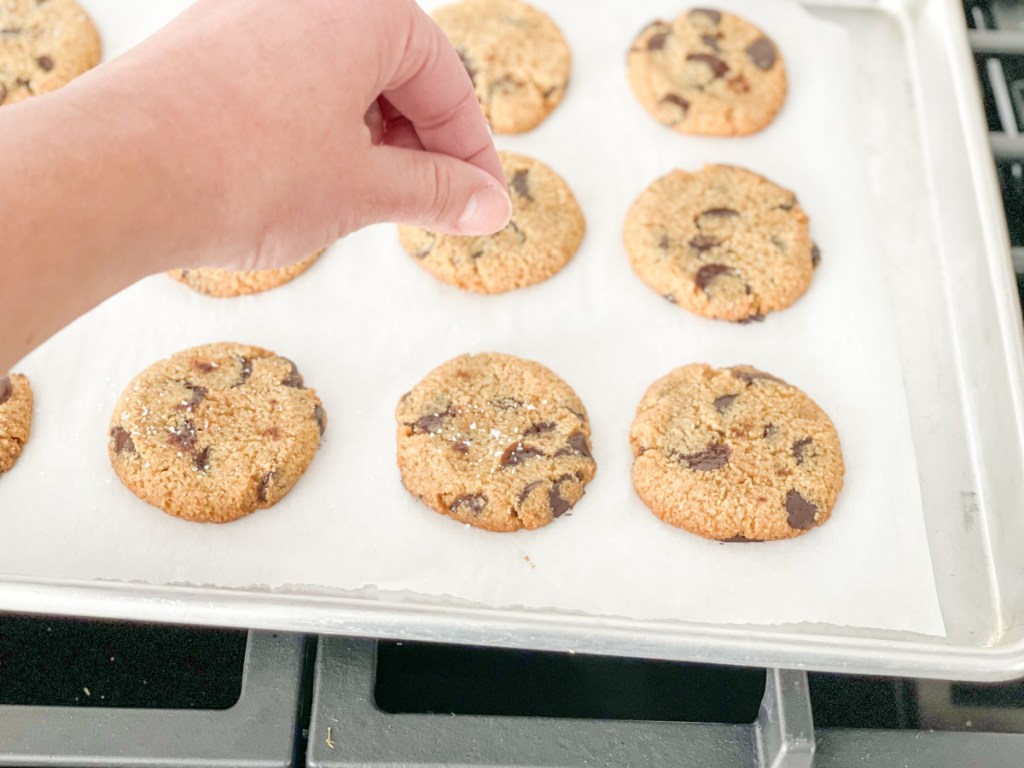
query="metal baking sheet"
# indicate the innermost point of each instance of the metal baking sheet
(937, 227)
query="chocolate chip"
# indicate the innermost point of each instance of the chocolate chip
(184, 436)
(679, 101)
(517, 453)
(528, 490)
(657, 41)
(579, 444)
(788, 205)
(800, 512)
(123, 442)
(423, 252)
(45, 63)
(769, 431)
(798, 449)
(670, 298)
(762, 53)
(722, 403)
(246, 372)
(6, 389)
(476, 255)
(709, 272)
(201, 460)
(559, 506)
(741, 540)
(711, 41)
(750, 375)
(506, 403)
(755, 318)
(204, 367)
(475, 503)
(663, 243)
(715, 16)
(703, 242)
(469, 67)
(432, 422)
(721, 213)
(460, 447)
(539, 429)
(815, 256)
(198, 395)
(294, 378)
(715, 456)
(718, 67)
(320, 417)
(521, 186)
(264, 486)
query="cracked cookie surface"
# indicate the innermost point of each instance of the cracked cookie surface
(15, 418)
(215, 432)
(723, 243)
(735, 454)
(495, 441)
(709, 73)
(545, 231)
(44, 44)
(228, 283)
(515, 55)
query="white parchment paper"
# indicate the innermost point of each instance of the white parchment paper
(366, 323)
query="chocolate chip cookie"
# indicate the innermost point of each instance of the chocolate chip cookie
(215, 432)
(515, 55)
(43, 45)
(735, 455)
(723, 243)
(709, 73)
(227, 283)
(494, 441)
(543, 235)
(15, 418)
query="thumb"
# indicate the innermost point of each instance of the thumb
(437, 192)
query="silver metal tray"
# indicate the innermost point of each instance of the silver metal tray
(959, 328)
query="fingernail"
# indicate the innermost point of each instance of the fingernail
(487, 212)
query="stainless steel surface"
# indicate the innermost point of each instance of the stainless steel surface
(347, 730)
(257, 732)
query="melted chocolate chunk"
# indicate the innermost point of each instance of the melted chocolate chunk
(755, 318)
(432, 422)
(517, 453)
(264, 486)
(579, 445)
(506, 403)
(741, 540)
(198, 395)
(718, 67)
(559, 506)
(45, 63)
(715, 456)
(460, 447)
(703, 242)
(679, 101)
(294, 378)
(788, 205)
(750, 375)
(520, 185)
(184, 436)
(320, 417)
(203, 366)
(539, 429)
(815, 256)
(800, 512)
(715, 16)
(245, 373)
(201, 461)
(798, 449)
(663, 243)
(722, 404)
(6, 389)
(657, 41)
(528, 490)
(721, 213)
(123, 442)
(711, 41)
(762, 53)
(474, 503)
(708, 273)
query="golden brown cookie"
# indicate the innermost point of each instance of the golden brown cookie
(43, 45)
(515, 55)
(709, 73)
(735, 455)
(15, 418)
(215, 432)
(543, 235)
(494, 441)
(227, 283)
(723, 243)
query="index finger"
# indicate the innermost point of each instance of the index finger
(432, 89)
